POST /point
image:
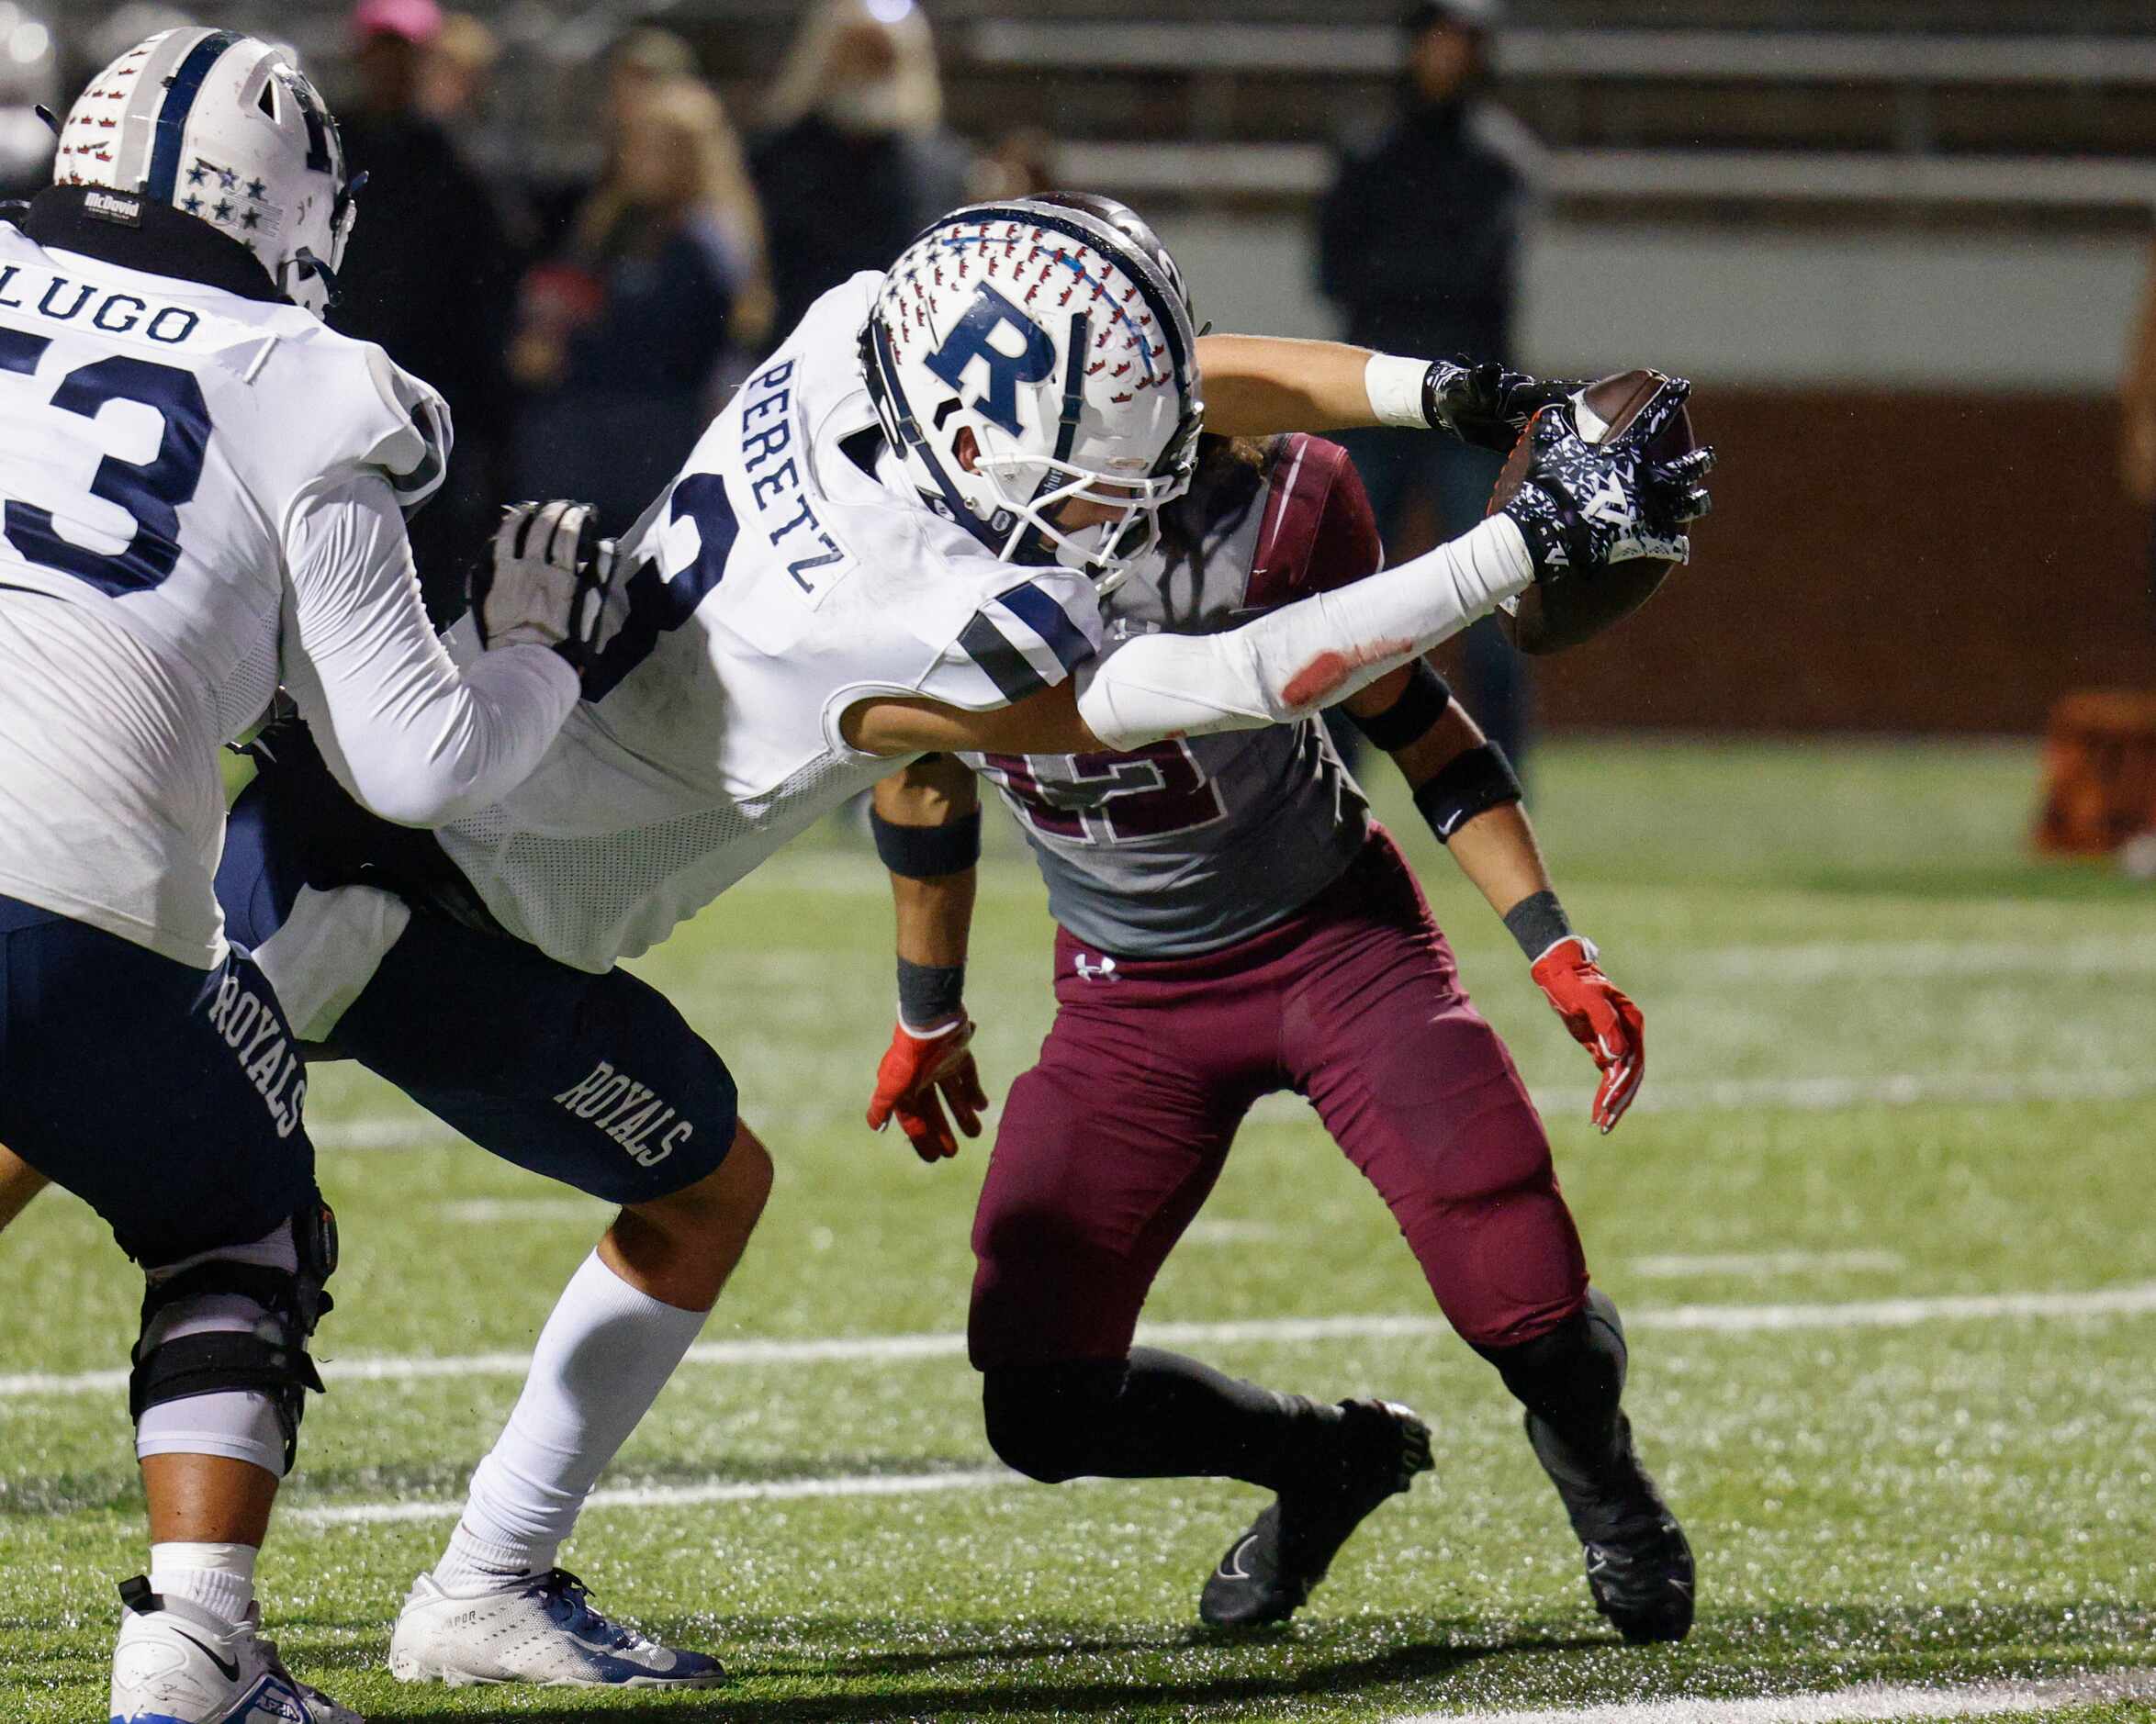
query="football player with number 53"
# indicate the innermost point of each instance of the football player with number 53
(205, 489)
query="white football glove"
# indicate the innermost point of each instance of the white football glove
(548, 581)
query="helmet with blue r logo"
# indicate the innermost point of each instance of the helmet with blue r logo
(1036, 354)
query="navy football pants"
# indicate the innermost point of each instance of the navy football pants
(166, 1097)
(595, 1080)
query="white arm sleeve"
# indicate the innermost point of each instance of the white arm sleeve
(1312, 654)
(415, 739)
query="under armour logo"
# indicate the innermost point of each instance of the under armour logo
(1102, 971)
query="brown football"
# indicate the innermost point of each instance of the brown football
(1552, 617)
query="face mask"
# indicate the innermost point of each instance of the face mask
(869, 107)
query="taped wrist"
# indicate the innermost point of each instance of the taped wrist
(1538, 923)
(1401, 391)
(1469, 784)
(929, 993)
(925, 853)
(1407, 720)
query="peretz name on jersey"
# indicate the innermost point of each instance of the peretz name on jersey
(789, 571)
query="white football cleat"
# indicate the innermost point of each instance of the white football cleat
(538, 1629)
(176, 1663)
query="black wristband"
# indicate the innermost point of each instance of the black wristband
(1407, 720)
(923, 853)
(1469, 784)
(1538, 923)
(927, 993)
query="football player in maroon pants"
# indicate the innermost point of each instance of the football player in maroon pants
(1232, 923)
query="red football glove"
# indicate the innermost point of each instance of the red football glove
(1601, 1020)
(919, 1064)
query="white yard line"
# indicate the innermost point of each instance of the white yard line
(1816, 1095)
(492, 1211)
(1867, 1701)
(1886, 960)
(1753, 1265)
(684, 1495)
(1205, 1231)
(1664, 1095)
(2135, 1300)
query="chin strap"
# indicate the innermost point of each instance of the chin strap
(310, 265)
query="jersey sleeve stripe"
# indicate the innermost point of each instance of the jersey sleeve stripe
(999, 659)
(1038, 611)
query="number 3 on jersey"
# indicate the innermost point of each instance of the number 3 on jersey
(151, 492)
(664, 590)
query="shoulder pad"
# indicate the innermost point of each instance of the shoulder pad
(413, 450)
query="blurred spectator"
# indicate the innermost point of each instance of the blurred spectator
(2137, 400)
(459, 69)
(429, 275)
(1020, 163)
(29, 76)
(620, 335)
(855, 161)
(637, 63)
(1417, 244)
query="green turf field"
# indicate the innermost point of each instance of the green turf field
(1900, 1080)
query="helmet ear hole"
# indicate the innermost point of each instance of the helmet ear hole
(267, 101)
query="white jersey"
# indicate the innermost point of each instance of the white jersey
(201, 496)
(789, 571)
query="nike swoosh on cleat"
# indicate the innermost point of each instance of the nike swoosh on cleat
(228, 1669)
(1232, 1566)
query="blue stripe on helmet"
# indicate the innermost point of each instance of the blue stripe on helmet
(179, 102)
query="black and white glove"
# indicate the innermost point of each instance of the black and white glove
(548, 581)
(1485, 405)
(1583, 506)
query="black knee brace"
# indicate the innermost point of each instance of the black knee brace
(1044, 1420)
(1573, 1377)
(270, 1359)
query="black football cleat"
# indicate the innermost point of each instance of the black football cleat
(1639, 1566)
(1268, 1573)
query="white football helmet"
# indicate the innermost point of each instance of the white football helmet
(1055, 330)
(224, 127)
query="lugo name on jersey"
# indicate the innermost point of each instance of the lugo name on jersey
(159, 438)
(789, 571)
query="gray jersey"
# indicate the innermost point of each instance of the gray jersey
(1190, 846)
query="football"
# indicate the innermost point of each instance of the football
(1551, 618)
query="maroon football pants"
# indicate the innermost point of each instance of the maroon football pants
(1108, 1147)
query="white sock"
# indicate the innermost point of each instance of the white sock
(605, 1353)
(218, 1577)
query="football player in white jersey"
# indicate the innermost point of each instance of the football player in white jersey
(201, 490)
(892, 540)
